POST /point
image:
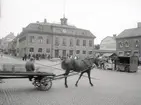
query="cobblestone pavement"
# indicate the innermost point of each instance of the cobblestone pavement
(110, 88)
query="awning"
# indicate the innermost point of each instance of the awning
(108, 54)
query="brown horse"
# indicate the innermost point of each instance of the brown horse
(78, 65)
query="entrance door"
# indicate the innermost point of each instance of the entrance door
(134, 63)
(56, 53)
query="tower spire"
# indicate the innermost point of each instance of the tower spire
(64, 8)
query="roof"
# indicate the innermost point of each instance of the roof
(106, 38)
(58, 29)
(133, 32)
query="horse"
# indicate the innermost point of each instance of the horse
(78, 65)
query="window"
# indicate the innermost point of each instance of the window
(84, 42)
(40, 50)
(40, 39)
(64, 53)
(71, 52)
(90, 43)
(31, 49)
(126, 44)
(121, 44)
(31, 39)
(77, 51)
(64, 42)
(77, 42)
(48, 50)
(84, 52)
(22, 39)
(47, 41)
(90, 52)
(137, 44)
(71, 42)
(57, 41)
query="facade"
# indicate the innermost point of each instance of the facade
(56, 40)
(5, 41)
(129, 42)
(107, 46)
(108, 43)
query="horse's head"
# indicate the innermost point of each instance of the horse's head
(92, 61)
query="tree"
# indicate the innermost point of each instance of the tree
(97, 46)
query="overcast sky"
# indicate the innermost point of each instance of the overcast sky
(102, 17)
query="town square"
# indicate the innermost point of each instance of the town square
(70, 52)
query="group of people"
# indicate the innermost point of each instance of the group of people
(36, 56)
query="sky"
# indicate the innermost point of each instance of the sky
(102, 17)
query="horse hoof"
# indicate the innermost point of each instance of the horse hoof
(92, 85)
(66, 86)
(75, 85)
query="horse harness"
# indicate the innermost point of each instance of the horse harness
(88, 67)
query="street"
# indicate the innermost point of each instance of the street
(110, 88)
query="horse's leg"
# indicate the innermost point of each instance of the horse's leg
(78, 79)
(88, 72)
(66, 73)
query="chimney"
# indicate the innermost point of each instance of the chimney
(45, 21)
(64, 21)
(139, 24)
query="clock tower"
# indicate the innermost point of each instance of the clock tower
(63, 21)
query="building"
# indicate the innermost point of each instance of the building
(107, 46)
(108, 43)
(55, 40)
(128, 42)
(5, 41)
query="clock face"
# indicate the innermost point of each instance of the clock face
(64, 30)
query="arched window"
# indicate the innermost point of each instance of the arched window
(126, 44)
(77, 42)
(84, 42)
(120, 44)
(40, 39)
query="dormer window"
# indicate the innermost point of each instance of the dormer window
(121, 44)
(126, 44)
(137, 44)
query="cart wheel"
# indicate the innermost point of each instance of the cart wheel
(45, 84)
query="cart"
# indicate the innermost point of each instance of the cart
(127, 64)
(41, 80)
